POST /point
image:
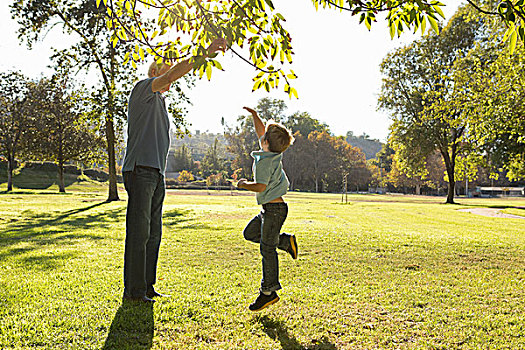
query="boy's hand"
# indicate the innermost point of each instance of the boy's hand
(241, 183)
(257, 122)
(253, 112)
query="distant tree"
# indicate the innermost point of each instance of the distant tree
(294, 160)
(183, 159)
(417, 90)
(64, 131)
(269, 108)
(98, 48)
(16, 119)
(347, 161)
(304, 123)
(322, 154)
(95, 48)
(491, 85)
(213, 162)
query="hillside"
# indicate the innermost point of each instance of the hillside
(369, 146)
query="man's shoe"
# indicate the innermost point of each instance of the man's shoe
(263, 301)
(143, 299)
(293, 250)
(154, 294)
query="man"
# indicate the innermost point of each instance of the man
(143, 172)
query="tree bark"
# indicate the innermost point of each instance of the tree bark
(9, 173)
(449, 164)
(61, 186)
(418, 189)
(110, 132)
(110, 139)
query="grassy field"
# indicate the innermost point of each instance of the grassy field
(380, 272)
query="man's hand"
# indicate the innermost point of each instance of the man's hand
(218, 44)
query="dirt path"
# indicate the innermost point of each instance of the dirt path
(495, 213)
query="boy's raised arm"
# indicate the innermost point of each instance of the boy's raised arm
(257, 122)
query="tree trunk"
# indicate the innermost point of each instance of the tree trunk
(9, 174)
(110, 133)
(316, 186)
(418, 189)
(61, 186)
(451, 181)
(110, 139)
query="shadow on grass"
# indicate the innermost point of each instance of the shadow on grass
(35, 224)
(277, 330)
(492, 206)
(38, 230)
(132, 327)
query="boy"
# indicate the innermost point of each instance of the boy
(270, 183)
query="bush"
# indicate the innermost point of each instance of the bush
(42, 166)
(96, 174)
(72, 169)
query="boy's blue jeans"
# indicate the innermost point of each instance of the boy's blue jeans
(265, 229)
(146, 190)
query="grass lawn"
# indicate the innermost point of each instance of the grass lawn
(381, 272)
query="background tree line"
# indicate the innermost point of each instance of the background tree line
(47, 119)
(458, 94)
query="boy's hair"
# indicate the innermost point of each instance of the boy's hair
(279, 138)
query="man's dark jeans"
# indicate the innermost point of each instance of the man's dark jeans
(265, 229)
(146, 190)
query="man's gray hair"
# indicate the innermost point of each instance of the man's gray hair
(154, 67)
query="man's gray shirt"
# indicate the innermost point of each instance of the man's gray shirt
(148, 128)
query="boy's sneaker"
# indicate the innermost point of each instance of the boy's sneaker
(264, 301)
(293, 250)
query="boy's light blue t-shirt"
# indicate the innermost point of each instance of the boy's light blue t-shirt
(268, 170)
(148, 128)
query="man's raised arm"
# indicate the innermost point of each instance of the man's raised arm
(181, 68)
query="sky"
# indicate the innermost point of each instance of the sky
(336, 60)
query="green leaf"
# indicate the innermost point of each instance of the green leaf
(513, 40)
(438, 10)
(294, 92)
(208, 72)
(509, 31)
(423, 25)
(217, 64)
(392, 30)
(433, 24)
